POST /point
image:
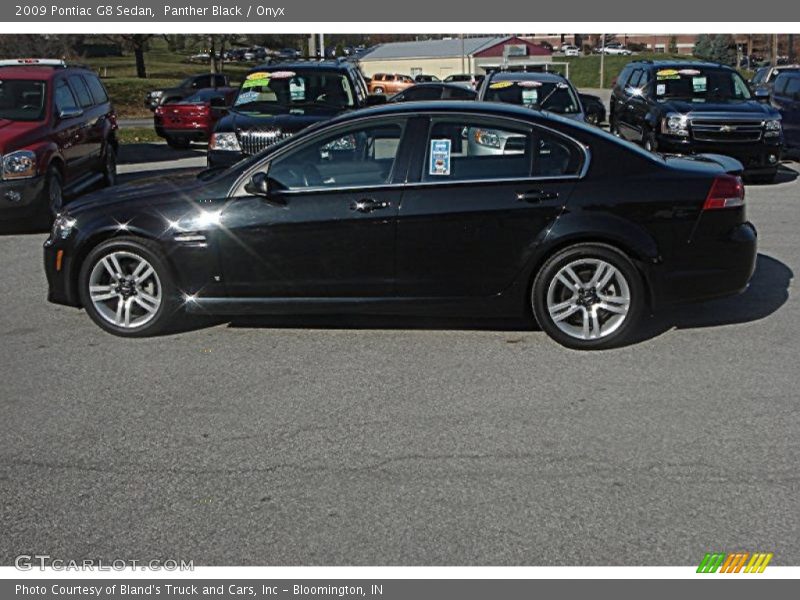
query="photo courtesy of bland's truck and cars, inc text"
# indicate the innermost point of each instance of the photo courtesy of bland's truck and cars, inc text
(400, 299)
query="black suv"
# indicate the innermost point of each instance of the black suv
(185, 88)
(687, 107)
(276, 101)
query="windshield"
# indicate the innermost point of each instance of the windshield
(700, 85)
(554, 96)
(200, 97)
(289, 90)
(22, 99)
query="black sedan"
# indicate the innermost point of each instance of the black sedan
(452, 208)
(435, 91)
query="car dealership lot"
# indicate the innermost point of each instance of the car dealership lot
(399, 441)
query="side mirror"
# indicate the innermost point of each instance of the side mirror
(375, 99)
(70, 112)
(761, 94)
(258, 185)
(262, 185)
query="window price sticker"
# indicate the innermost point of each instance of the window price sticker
(440, 157)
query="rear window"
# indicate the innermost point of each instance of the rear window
(84, 97)
(553, 96)
(97, 90)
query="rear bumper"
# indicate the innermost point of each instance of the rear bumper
(22, 198)
(191, 134)
(757, 157)
(722, 267)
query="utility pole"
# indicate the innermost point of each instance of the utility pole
(322, 45)
(774, 60)
(463, 55)
(602, 60)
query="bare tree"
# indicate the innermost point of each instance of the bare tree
(136, 42)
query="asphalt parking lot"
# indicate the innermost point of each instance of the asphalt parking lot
(396, 441)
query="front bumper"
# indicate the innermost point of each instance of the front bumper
(223, 158)
(21, 198)
(722, 267)
(59, 272)
(757, 157)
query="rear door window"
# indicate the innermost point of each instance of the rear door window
(792, 86)
(81, 91)
(472, 149)
(64, 98)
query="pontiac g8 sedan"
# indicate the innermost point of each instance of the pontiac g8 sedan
(397, 209)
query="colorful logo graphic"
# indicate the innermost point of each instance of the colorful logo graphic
(734, 562)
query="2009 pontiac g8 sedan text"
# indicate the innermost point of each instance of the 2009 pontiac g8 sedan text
(399, 209)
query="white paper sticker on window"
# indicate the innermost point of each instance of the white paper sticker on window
(530, 96)
(440, 157)
(661, 89)
(698, 84)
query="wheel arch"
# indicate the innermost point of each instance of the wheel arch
(631, 241)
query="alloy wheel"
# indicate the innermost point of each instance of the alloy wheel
(124, 289)
(588, 299)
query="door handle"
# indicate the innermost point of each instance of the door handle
(536, 196)
(367, 205)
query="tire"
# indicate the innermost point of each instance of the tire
(613, 128)
(649, 142)
(582, 316)
(178, 143)
(148, 307)
(52, 196)
(762, 178)
(377, 90)
(110, 166)
(592, 119)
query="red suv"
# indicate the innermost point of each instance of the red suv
(57, 136)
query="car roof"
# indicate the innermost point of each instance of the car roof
(497, 109)
(303, 65)
(438, 84)
(37, 72)
(526, 76)
(679, 64)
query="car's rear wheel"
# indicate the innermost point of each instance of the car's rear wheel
(377, 90)
(110, 166)
(179, 143)
(127, 289)
(588, 297)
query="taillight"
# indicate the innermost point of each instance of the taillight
(727, 191)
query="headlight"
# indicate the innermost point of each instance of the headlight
(19, 165)
(157, 94)
(487, 137)
(772, 128)
(675, 124)
(62, 227)
(224, 141)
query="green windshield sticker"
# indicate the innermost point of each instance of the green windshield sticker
(251, 83)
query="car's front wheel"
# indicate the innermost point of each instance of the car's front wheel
(588, 297)
(127, 288)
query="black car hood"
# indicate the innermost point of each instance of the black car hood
(739, 108)
(166, 188)
(290, 122)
